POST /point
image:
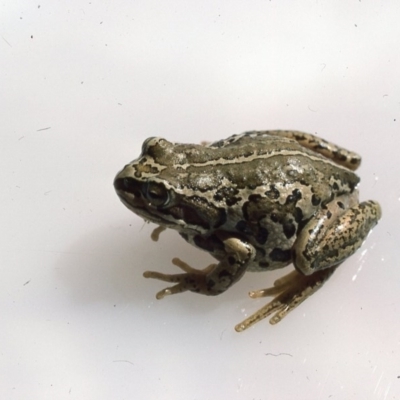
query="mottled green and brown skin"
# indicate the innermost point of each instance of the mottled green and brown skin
(256, 202)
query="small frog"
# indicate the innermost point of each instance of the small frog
(257, 201)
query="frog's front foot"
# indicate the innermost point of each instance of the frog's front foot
(191, 280)
(289, 291)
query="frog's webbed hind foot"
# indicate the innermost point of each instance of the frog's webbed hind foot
(289, 291)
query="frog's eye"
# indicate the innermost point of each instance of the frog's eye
(156, 194)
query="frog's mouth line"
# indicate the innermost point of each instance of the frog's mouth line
(139, 209)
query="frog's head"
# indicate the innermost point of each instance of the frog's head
(158, 187)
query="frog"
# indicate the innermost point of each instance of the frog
(256, 201)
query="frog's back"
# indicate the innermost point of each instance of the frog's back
(257, 159)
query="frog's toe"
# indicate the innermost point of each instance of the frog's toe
(179, 288)
(280, 285)
(179, 279)
(190, 270)
(271, 307)
(191, 279)
(290, 291)
(163, 277)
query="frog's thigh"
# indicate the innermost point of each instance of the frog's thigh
(330, 238)
(338, 154)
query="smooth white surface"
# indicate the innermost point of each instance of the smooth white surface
(82, 85)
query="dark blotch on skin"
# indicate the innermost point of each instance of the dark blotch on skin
(274, 217)
(272, 193)
(210, 284)
(280, 255)
(340, 204)
(203, 243)
(339, 156)
(228, 195)
(263, 264)
(262, 235)
(253, 199)
(224, 274)
(242, 227)
(289, 229)
(221, 218)
(298, 214)
(354, 161)
(189, 215)
(315, 200)
(294, 197)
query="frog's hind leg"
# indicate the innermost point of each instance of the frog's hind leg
(339, 155)
(290, 291)
(323, 244)
(334, 235)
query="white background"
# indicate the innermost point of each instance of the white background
(82, 84)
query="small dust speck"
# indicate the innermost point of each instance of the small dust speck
(124, 361)
(278, 354)
(26, 282)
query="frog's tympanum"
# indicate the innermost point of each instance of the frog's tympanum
(256, 202)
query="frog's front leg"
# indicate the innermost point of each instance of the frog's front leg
(331, 236)
(214, 279)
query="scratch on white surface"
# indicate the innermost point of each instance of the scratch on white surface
(362, 261)
(379, 381)
(124, 361)
(278, 354)
(6, 41)
(387, 391)
(363, 253)
(323, 384)
(239, 385)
